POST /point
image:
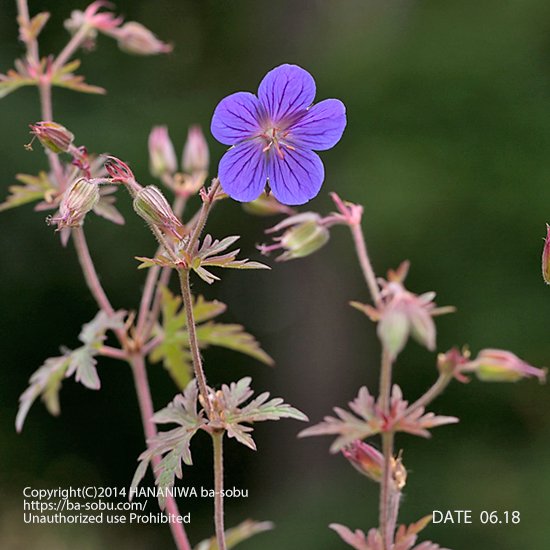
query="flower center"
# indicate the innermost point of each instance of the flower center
(275, 138)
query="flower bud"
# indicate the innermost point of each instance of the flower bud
(365, 459)
(77, 201)
(151, 205)
(119, 171)
(162, 157)
(195, 152)
(546, 257)
(304, 235)
(53, 136)
(134, 38)
(370, 462)
(495, 365)
(266, 205)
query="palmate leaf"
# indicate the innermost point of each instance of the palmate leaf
(173, 445)
(33, 188)
(65, 78)
(12, 81)
(368, 420)
(174, 352)
(81, 362)
(258, 410)
(235, 535)
(209, 254)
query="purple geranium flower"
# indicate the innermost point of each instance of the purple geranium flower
(274, 135)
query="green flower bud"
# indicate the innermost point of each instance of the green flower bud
(153, 207)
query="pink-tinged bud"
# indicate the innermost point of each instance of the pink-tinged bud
(151, 205)
(304, 234)
(134, 38)
(53, 136)
(452, 363)
(365, 459)
(546, 257)
(370, 462)
(77, 201)
(267, 205)
(162, 157)
(495, 365)
(119, 171)
(195, 152)
(402, 314)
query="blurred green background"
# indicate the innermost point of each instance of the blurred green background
(447, 147)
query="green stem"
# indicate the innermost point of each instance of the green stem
(217, 440)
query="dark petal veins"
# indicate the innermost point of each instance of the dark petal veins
(285, 91)
(297, 177)
(236, 118)
(321, 127)
(242, 171)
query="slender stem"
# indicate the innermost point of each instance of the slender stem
(217, 440)
(157, 302)
(147, 411)
(146, 299)
(149, 346)
(114, 353)
(148, 309)
(45, 90)
(71, 47)
(386, 529)
(24, 19)
(386, 491)
(365, 263)
(203, 216)
(193, 341)
(438, 387)
(387, 450)
(90, 274)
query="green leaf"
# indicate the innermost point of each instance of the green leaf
(34, 188)
(232, 337)
(174, 351)
(235, 535)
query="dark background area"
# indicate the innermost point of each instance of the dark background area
(446, 146)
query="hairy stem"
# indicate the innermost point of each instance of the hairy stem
(365, 263)
(193, 341)
(208, 201)
(23, 19)
(90, 273)
(71, 47)
(217, 440)
(113, 353)
(147, 411)
(148, 307)
(386, 527)
(438, 387)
